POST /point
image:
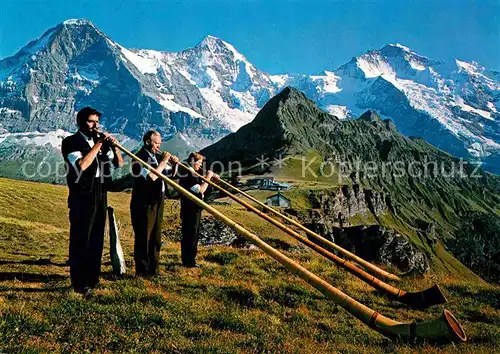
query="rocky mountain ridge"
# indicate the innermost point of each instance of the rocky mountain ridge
(201, 94)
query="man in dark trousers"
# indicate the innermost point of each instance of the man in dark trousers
(190, 211)
(146, 205)
(88, 155)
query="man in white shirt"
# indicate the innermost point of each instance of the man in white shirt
(89, 156)
(146, 205)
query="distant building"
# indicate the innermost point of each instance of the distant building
(267, 183)
(278, 200)
(277, 186)
(261, 182)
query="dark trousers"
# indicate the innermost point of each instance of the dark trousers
(147, 222)
(190, 228)
(87, 217)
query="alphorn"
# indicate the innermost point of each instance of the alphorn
(327, 243)
(418, 299)
(441, 330)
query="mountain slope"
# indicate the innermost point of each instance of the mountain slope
(73, 65)
(420, 191)
(454, 107)
(202, 93)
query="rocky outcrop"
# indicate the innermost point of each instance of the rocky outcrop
(334, 208)
(215, 233)
(348, 201)
(383, 246)
(333, 211)
(212, 233)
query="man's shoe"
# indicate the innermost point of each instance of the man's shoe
(87, 292)
(194, 265)
(158, 277)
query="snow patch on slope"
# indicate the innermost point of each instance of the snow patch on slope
(406, 49)
(6, 110)
(465, 107)
(374, 65)
(168, 102)
(327, 83)
(341, 112)
(144, 64)
(53, 138)
(232, 117)
(279, 80)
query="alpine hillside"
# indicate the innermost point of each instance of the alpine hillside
(364, 172)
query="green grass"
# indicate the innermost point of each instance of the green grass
(308, 169)
(240, 301)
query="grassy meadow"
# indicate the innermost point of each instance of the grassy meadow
(240, 301)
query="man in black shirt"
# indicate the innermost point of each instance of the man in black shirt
(88, 155)
(190, 211)
(146, 205)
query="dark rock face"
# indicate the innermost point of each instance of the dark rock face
(212, 233)
(215, 233)
(380, 245)
(74, 65)
(348, 201)
(330, 214)
(332, 208)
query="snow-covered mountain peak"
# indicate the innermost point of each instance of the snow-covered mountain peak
(215, 49)
(394, 50)
(477, 75)
(210, 41)
(373, 64)
(393, 60)
(78, 28)
(470, 68)
(78, 22)
(211, 88)
(406, 49)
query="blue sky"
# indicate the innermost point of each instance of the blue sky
(277, 36)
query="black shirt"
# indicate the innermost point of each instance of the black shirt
(147, 191)
(82, 183)
(187, 205)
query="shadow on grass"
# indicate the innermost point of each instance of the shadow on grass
(59, 289)
(475, 315)
(221, 258)
(239, 295)
(482, 295)
(171, 266)
(31, 277)
(41, 261)
(113, 276)
(279, 244)
(484, 339)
